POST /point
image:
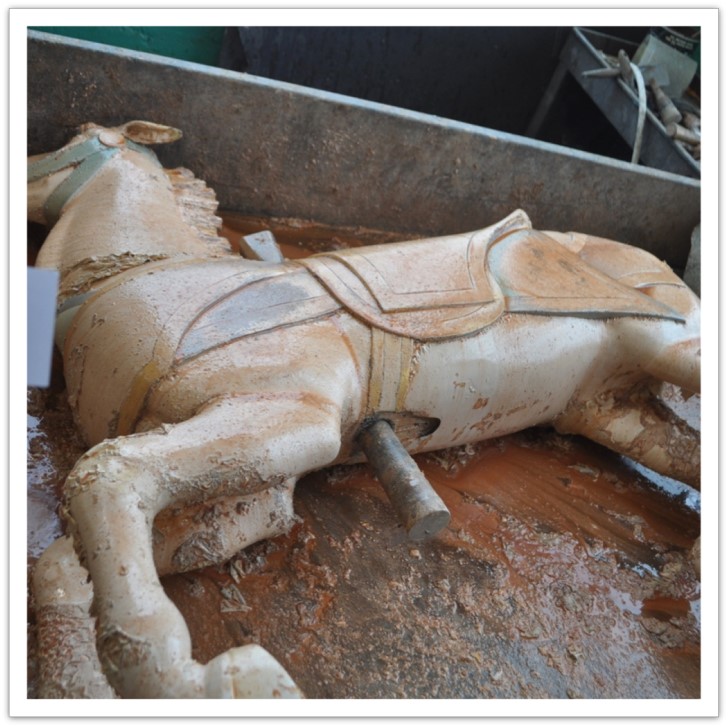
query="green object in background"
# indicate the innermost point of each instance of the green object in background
(200, 45)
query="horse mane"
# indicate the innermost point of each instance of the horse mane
(198, 204)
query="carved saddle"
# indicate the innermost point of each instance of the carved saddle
(457, 285)
(424, 289)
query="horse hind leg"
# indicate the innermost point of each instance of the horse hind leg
(678, 363)
(674, 349)
(641, 427)
(241, 445)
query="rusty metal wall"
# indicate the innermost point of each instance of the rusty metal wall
(277, 149)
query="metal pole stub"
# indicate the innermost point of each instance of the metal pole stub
(418, 506)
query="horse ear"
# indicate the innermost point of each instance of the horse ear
(87, 127)
(145, 132)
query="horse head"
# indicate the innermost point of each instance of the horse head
(107, 188)
(55, 177)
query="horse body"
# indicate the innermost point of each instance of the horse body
(211, 383)
(136, 379)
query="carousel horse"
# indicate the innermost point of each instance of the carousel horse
(206, 384)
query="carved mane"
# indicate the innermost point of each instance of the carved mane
(198, 205)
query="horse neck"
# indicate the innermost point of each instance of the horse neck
(131, 212)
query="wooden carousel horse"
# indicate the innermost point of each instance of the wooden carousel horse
(207, 384)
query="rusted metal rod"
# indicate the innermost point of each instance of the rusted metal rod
(418, 506)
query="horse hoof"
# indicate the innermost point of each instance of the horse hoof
(248, 672)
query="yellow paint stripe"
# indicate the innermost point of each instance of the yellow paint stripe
(376, 370)
(405, 360)
(132, 406)
(390, 360)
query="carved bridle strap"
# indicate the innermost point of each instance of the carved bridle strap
(87, 158)
(391, 360)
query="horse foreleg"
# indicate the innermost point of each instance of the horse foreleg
(69, 666)
(237, 446)
(185, 538)
(641, 427)
(189, 537)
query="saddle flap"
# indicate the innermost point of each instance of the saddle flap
(422, 273)
(282, 297)
(541, 277)
(425, 289)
